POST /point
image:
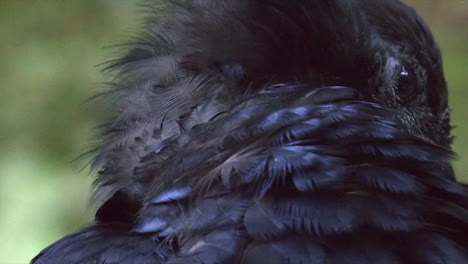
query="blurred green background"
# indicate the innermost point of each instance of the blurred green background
(48, 56)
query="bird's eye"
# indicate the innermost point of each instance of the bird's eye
(404, 72)
(406, 84)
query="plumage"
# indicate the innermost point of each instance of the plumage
(268, 131)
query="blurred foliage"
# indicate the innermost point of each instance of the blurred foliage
(49, 52)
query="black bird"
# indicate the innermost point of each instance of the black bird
(272, 131)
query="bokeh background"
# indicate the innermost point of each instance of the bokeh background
(49, 56)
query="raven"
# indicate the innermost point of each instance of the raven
(272, 131)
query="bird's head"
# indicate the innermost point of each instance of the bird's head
(383, 48)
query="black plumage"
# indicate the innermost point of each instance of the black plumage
(276, 131)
